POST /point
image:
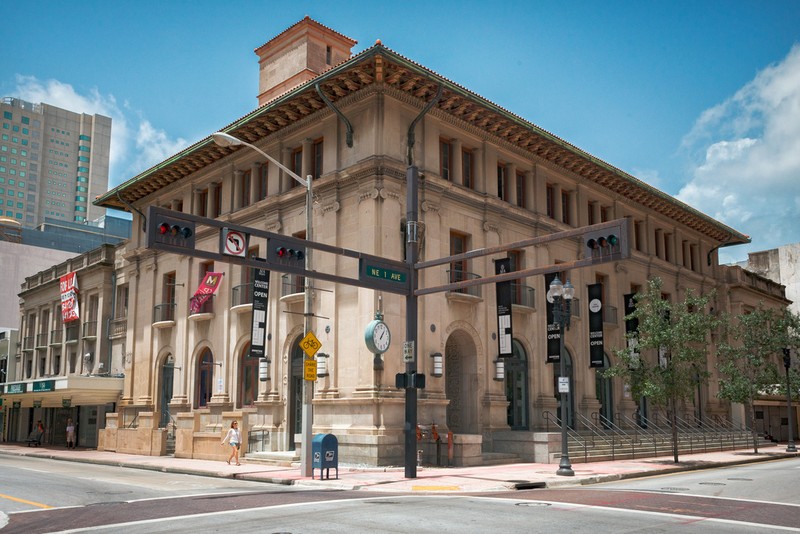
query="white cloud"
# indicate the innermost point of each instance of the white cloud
(746, 154)
(135, 144)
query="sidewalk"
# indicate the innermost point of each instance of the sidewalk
(429, 479)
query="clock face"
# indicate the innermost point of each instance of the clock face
(378, 337)
(381, 337)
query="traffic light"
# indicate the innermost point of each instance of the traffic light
(171, 231)
(286, 252)
(608, 243)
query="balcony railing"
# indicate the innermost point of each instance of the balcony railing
(56, 337)
(242, 294)
(27, 343)
(291, 284)
(41, 340)
(119, 327)
(164, 312)
(205, 307)
(609, 314)
(523, 295)
(89, 329)
(462, 276)
(575, 309)
(71, 333)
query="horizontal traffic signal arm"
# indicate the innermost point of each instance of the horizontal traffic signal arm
(156, 215)
(617, 228)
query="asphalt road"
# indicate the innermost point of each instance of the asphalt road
(39, 495)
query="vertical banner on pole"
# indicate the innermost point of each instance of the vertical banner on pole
(631, 325)
(260, 302)
(503, 293)
(596, 325)
(553, 332)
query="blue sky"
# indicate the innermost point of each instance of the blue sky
(699, 99)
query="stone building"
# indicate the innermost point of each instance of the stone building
(488, 178)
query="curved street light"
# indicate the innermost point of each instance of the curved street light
(225, 140)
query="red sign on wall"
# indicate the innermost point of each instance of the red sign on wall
(69, 297)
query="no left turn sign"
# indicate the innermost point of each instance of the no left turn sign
(233, 243)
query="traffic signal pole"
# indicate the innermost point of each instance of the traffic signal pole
(412, 253)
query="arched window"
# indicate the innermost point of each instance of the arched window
(296, 393)
(204, 378)
(605, 394)
(517, 387)
(248, 384)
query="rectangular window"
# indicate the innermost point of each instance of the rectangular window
(296, 165)
(316, 151)
(458, 268)
(7, 115)
(468, 168)
(202, 203)
(590, 220)
(551, 206)
(565, 211)
(244, 186)
(26, 120)
(521, 200)
(216, 202)
(262, 182)
(84, 137)
(502, 181)
(445, 159)
(168, 296)
(83, 148)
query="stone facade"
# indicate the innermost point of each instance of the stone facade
(488, 179)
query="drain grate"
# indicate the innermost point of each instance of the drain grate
(537, 504)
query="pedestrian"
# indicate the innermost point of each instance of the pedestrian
(70, 433)
(234, 437)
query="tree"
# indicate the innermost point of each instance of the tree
(677, 333)
(751, 355)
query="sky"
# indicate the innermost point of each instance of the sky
(700, 99)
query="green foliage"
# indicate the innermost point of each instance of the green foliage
(751, 357)
(672, 341)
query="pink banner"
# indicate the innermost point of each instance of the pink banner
(69, 297)
(208, 287)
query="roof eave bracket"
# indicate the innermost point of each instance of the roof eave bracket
(348, 126)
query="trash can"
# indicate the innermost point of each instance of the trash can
(325, 453)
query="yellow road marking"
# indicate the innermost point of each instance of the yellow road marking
(37, 504)
(435, 488)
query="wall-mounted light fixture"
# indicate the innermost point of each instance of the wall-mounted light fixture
(322, 364)
(263, 369)
(499, 370)
(438, 364)
(171, 363)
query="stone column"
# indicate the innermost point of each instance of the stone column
(458, 168)
(511, 182)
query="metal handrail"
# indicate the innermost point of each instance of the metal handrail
(597, 435)
(571, 434)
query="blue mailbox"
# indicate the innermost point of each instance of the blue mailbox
(325, 452)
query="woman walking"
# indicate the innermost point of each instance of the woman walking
(234, 437)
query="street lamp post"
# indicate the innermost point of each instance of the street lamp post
(787, 363)
(224, 139)
(560, 295)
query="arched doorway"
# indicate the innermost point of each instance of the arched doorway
(248, 382)
(605, 394)
(165, 395)
(204, 378)
(517, 387)
(461, 383)
(295, 405)
(570, 415)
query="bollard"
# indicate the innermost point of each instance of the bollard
(419, 458)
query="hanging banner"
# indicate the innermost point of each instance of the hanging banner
(553, 332)
(209, 285)
(596, 325)
(631, 325)
(503, 294)
(69, 297)
(260, 301)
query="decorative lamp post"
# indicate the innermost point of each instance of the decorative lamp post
(224, 139)
(560, 296)
(787, 363)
